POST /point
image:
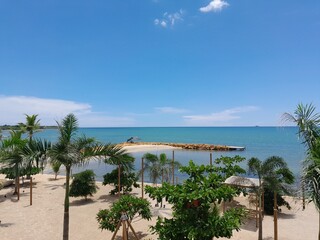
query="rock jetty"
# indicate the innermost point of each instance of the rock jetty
(191, 146)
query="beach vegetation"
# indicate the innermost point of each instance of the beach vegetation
(128, 180)
(128, 206)
(274, 175)
(308, 122)
(195, 204)
(83, 184)
(73, 150)
(12, 157)
(159, 167)
(55, 165)
(31, 126)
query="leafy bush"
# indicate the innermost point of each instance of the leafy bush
(128, 180)
(11, 172)
(195, 212)
(131, 205)
(83, 184)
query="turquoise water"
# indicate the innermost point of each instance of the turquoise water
(260, 142)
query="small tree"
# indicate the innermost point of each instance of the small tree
(56, 168)
(195, 212)
(128, 180)
(131, 205)
(83, 184)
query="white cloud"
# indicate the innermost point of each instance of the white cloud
(169, 19)
(214, 6)
(171, 110)
(13, 108)
(219, 118)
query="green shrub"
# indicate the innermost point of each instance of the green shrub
(131, 205)
(83, 184)
(128, 180)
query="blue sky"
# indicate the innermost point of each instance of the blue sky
(158, 62)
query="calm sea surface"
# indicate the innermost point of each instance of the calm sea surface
(260, 142)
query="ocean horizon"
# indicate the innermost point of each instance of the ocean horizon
(260, 142)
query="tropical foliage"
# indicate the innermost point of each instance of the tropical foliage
(308, 122)
(130, 205)
(128, 179)
(83, 184)
(31, 126)
(55, 165)
(159, 167)
(71, 150)
(195, 205)
(274, 175)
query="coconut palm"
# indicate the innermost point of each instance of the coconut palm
(308, 122)
(31, 126)
(118, 156)
(12, 156)
(71, 150)
(273, 173)
(159, 167)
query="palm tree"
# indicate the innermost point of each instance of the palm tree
(273, 173)
(71, 150)
(159, 167)
(12, 156)
(308, 122)
(31, 126)
(118, 156)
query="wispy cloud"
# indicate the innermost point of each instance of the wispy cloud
(171, 110)
(214, 6)
(13, 108)
(219, 117)
(169, 19)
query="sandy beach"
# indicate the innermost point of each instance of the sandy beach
(44, 219)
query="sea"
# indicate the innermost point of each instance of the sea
(260, 142)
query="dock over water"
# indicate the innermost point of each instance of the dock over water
(190, 146)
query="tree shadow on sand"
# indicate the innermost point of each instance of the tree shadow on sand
(108, 198)
(54, 186)
(6, 224)
(286, 216)
(140, 234)
(82, 202)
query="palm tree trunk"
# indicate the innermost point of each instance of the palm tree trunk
(260, 207)
(275, 215)
(260, 218)
(66, 207)
(319, 227)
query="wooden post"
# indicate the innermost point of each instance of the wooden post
(142, 172)
(262, 205)
(119, 182)
(303, 197)
(211, 159)
(30, 190)
(275, 216)
(257, 203)
(176, 180)
(172, 167)
(124, 230)
(18, 188)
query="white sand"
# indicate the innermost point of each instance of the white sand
(146, 148)
(44, 219)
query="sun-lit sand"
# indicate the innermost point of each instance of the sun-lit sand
(44, 219)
